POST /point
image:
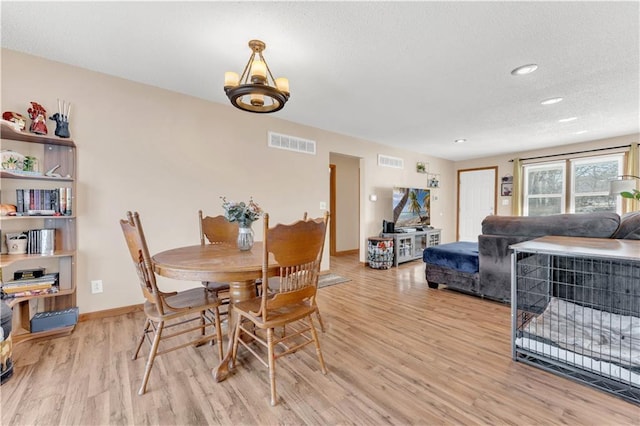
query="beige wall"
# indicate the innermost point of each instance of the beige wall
(167, 155)
(506, 168)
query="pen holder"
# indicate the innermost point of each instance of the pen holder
(62, 125)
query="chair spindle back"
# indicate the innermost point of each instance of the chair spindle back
(297, 248)
(136, 241)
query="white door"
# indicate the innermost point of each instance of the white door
(476, 200)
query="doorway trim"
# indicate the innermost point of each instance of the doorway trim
(332, 209)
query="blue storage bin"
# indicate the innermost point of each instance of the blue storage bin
(43, 321)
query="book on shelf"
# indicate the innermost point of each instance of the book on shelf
(45, 202)
(41, 212)
(47, 241)
(27, 273)
(41, 241)
(68, 207)
(26, 293)
(26, 287)
(51, 278)
(31, 286)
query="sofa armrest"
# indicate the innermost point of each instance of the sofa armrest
(629, 227)
(494, 256)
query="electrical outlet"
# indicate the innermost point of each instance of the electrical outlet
(323, 205)
(96, 286)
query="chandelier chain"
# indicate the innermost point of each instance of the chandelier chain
(273, 80)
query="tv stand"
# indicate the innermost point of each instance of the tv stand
(408, 246)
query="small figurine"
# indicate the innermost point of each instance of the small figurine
(17, 119)
(62, 119)
(51, 172)
(38, 122)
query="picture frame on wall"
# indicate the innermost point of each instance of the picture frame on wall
(506, 189)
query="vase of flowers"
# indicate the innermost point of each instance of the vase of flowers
(245, 237)
(245, 214)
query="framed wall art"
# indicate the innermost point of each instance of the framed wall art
(506, 189)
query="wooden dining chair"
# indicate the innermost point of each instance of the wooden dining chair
(296, 249)
(304, 217)
(217, 230)
(168, 310)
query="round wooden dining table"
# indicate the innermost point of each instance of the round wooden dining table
(221, 263)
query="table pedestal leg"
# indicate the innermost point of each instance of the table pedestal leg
(238, 291)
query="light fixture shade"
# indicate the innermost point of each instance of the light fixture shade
(282, 84)
(257, 99)
(621, 185)
(231, 79)
(256, 90)
(259, 70)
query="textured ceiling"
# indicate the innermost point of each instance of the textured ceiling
(415, 75)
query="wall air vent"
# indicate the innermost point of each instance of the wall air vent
(291, 143)
(387, 161)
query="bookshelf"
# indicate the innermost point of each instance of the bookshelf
(50, 151)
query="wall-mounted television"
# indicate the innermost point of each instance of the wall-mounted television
(411, 207)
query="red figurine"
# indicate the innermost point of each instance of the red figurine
(19, 120)
(38, 120)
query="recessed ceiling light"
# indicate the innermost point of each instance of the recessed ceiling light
(524, 69)
(551, 101)
(566, 120)
(459, 141)
(580, 132)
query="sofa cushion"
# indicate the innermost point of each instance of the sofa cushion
(629, 228)
(595, 225)
(461, 256)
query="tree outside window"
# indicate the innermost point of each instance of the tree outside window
(590, 184)
(546, 191)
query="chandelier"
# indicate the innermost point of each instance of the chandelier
(256, 90)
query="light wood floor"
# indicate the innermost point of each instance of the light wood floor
(397, 353)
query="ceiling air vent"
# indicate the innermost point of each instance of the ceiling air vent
(387, 161)
(291, 143)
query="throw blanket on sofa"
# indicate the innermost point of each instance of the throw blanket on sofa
(591, 332)
(460, 256)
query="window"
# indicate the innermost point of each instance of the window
(546, 191)
(590, 184)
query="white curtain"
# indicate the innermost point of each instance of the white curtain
(631, 168)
